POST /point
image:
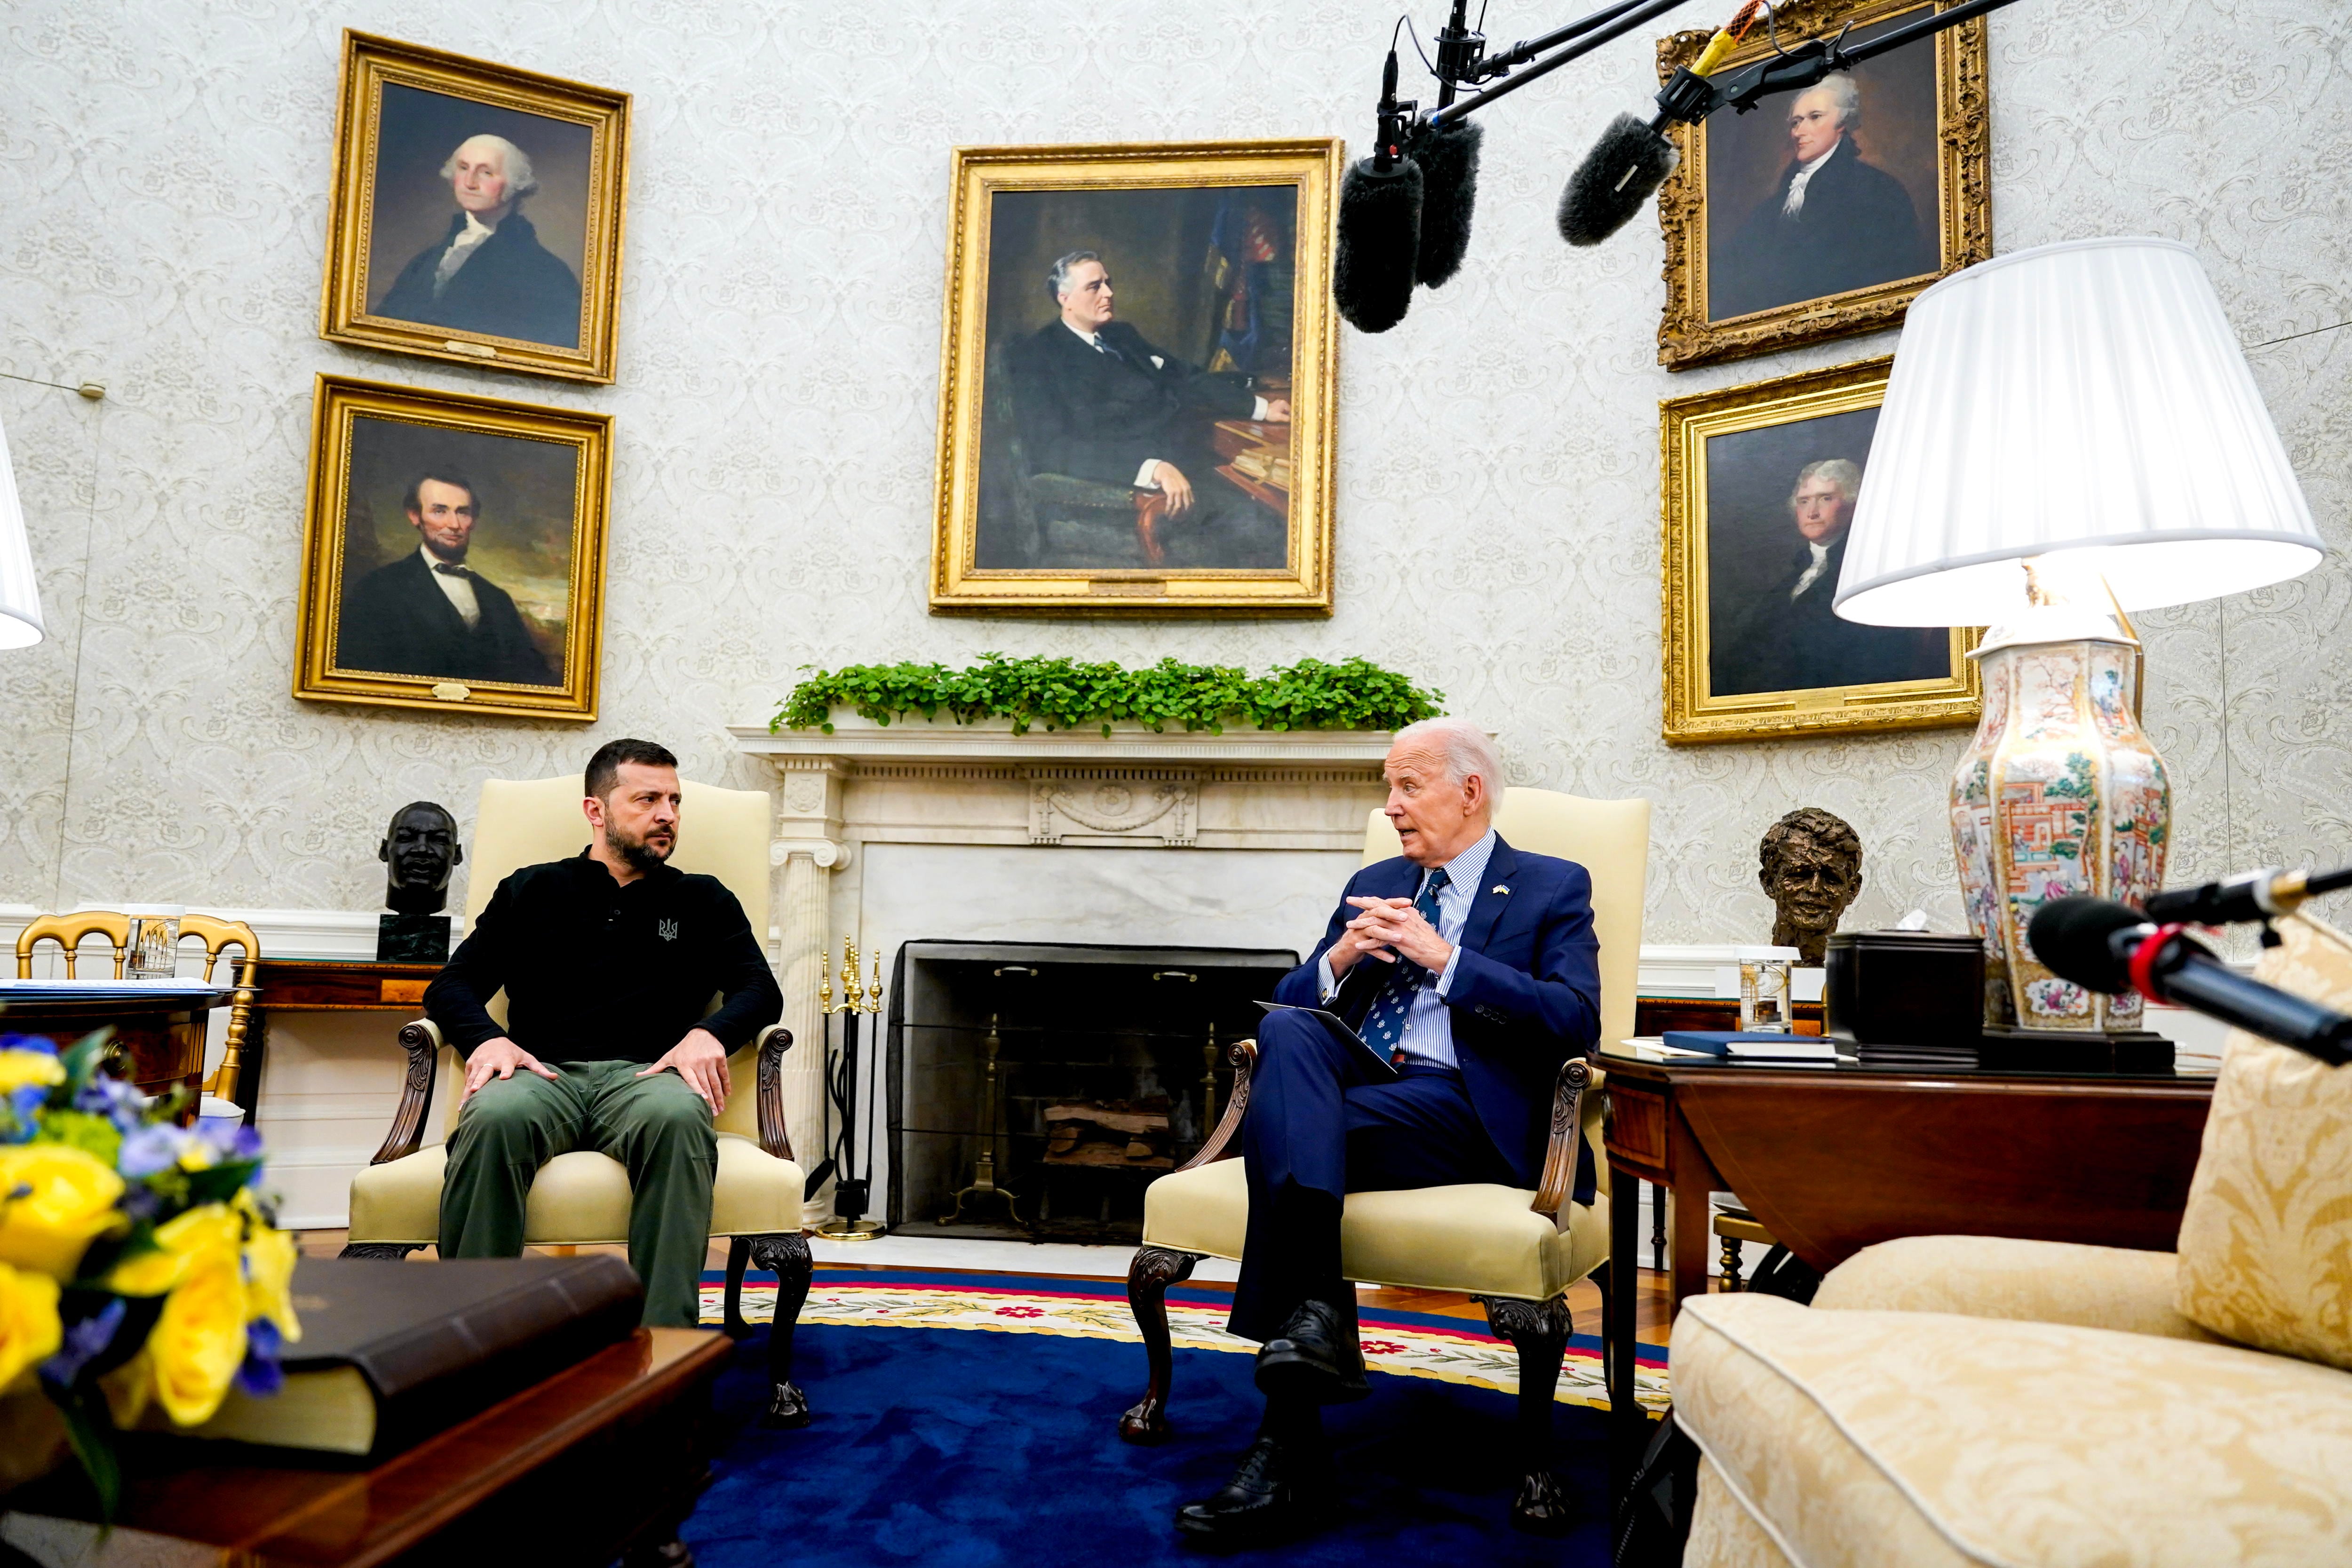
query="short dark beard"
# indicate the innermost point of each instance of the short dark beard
(639, 853)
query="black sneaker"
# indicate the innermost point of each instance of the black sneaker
(1280, 1489)
(1315, 1357)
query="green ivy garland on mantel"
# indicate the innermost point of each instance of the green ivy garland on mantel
(1064, 694)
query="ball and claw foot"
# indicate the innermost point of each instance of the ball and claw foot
(1543, 1507)
(670, 1553)
(789, 1407)
(1146, 1423)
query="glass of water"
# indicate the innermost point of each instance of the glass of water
(152, 952)
(1765, 974)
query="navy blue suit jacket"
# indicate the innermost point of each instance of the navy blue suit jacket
(1526, 994)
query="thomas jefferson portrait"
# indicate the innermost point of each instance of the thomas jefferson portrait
(1822, 192)
(479, 218)
(457, 556)
(1773, 566)
(1136, 409)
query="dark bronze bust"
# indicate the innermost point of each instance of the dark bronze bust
(420, 848)
(1811, 866)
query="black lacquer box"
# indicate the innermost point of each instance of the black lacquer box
(1910, 990)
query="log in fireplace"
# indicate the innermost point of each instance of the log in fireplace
(1034, 1088)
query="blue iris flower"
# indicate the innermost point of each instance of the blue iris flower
(150, 1148)
(261, 1374)
(41, 1043)
(84, 1341)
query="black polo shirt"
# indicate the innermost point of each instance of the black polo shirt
(595, 971)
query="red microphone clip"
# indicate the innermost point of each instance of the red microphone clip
(2144, 958)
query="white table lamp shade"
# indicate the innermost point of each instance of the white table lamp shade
(20, 596)
(2084, 401)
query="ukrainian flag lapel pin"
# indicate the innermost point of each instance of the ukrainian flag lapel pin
(1500, 889)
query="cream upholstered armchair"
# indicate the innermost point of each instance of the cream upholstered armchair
(1517, 1251)
(1958, 1400)
(582, 1197)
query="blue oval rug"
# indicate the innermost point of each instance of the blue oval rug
(973, 1448)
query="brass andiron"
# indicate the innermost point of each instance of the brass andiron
(850, 1193)
(971, 1200)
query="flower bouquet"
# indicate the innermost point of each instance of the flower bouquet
(138, 1270)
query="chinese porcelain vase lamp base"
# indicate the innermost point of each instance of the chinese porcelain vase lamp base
(2070, 434)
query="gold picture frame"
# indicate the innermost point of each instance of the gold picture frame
(393, 470)
(541, 294)
(1935, 144)
(1220, 255)
(1752, 478)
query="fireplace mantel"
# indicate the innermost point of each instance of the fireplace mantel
(1065, 797)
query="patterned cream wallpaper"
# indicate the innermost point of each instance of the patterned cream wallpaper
(163, 175)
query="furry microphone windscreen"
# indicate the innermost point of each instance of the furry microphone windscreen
(1625, 166)
(1448, 157)
(1380, 238)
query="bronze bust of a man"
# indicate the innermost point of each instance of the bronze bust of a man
(420, 848)
(1811, 866)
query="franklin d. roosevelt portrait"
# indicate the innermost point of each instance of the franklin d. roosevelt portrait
(1789, 638)
(488, 272)
(1093, 399)
(1833, 221)
(428, 612)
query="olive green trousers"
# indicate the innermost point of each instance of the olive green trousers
(656, 1127)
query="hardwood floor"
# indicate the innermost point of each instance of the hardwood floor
(1650, 1316)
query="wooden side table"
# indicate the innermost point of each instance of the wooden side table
(1833, 1159)
(324, 985)
(605, 1456)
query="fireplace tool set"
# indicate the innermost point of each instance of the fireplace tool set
(850, 1192)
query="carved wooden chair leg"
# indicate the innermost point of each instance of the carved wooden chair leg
(739, 1257)
(1732, 1263)
(787, 1253)
(1147, 1278)
(1538, 1332)
(394, 1250)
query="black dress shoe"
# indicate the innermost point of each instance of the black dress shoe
(1315, 1357)
(1280, 1489)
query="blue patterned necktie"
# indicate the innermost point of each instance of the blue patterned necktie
(1384, 1024)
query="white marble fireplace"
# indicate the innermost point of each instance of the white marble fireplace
(912, 831)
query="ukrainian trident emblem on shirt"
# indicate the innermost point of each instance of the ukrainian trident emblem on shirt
(666, 930)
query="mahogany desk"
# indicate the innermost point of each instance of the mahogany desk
(324, 985)
(607, 1456)
(1833, 1159)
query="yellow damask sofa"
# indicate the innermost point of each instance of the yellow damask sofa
(1967, 1400)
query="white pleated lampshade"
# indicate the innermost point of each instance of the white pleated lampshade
(2086, 401)
(20, 596)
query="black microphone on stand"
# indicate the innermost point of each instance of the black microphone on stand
(2263, 895)
(2106, 946)
(1379, 253)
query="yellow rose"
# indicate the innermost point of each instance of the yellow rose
(211, 1231)
(70, 1200)
(198, 1340)
(29, 1330)
(269, 1280)
(18, 1069)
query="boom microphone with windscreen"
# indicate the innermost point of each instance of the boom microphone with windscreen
(1629, 163)
(1448, 156)
(2106, 946)
(1379, 250)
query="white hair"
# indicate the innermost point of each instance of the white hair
(521, 181)
(1837, 470)
(1466, 749)
(1843, 96)
(1057, 278)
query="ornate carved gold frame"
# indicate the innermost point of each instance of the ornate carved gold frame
(369, 63)
(337, 402)
(1694, 714)
(1313, 165)
(1964, 186)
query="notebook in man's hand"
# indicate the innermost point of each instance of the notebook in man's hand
(1379, 1064)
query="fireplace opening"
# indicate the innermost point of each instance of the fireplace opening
(1036, 1088)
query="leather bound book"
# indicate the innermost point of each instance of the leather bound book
(393, 1352)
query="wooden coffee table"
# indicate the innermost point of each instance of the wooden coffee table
(605, 1458)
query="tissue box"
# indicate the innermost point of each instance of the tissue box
(1905, 988)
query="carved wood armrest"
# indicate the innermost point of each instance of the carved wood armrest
(772, 1044)
(422, 1041)
(1554, 1193)
(1241, 1055)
